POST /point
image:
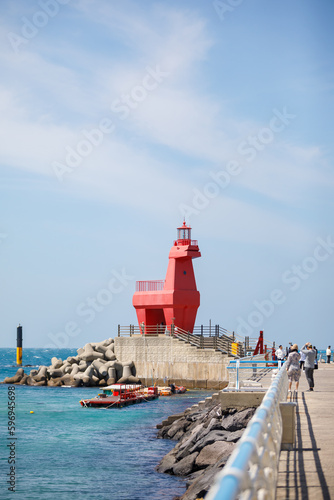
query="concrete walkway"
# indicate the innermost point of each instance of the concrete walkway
(307, 471)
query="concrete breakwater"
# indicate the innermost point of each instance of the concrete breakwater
(207, 434)
(95, 365)
(165, 359)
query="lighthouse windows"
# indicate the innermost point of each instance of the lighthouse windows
(184, 272)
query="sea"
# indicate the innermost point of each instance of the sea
(52, 448)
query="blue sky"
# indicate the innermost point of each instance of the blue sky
(120, 118)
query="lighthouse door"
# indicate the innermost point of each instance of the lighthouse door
(155, 317)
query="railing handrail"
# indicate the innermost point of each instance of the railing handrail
(257, 450)
(149, 285)
(224, 338)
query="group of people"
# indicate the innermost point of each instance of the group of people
(306, 358)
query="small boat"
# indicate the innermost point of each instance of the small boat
(119, 395)
(177, 389)
(165, 391)
(172, 389)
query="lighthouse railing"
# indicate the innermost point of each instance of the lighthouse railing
(149, 286)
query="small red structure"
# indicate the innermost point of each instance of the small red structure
(174, 301)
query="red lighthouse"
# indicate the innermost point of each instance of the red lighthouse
(175, 300)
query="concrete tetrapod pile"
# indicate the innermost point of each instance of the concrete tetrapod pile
(94, 365)
(206, 435)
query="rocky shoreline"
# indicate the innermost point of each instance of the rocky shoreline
(94, 365)
(206, 435)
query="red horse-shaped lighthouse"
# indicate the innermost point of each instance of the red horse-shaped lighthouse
(174, 301)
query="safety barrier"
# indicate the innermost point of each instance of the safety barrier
(252, 469)
(252, 372)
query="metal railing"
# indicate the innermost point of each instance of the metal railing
(182, 242)
(252, 469)
(252, 372)
(203, 337)
(216, 338)
(149, 286)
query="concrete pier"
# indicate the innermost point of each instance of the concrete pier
(306, 471)
(163, 359)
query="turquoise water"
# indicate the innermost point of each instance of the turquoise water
(63, 450)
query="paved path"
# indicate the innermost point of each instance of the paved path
(307, 471)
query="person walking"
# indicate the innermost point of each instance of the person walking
(328, 354)
(309, 363)
(292, 366)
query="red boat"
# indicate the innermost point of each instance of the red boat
(119, 395)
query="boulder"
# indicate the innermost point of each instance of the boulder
(167, 463)
(185, 466)
(201, 484)
(212, 453)
(178, 425)
(238, 420)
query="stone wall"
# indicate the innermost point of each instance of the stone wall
(161, 357)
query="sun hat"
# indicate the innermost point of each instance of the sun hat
(294, 347)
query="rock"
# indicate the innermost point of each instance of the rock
(177, 426)
(213, 452)
(201, 485)
(190, 440)
(235, 436)
(33, 373)
(167, 463)
(210, 438)
(238, 421)
(111, 381)
(185, 466)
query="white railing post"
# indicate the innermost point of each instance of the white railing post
(237, 375)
